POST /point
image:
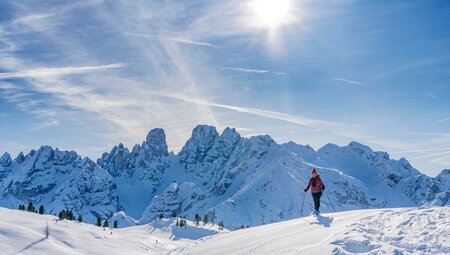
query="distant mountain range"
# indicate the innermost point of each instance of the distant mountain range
(242, 181)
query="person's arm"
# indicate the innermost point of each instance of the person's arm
(307, 187)
(323, 184)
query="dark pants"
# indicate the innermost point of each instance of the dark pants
(316, 198)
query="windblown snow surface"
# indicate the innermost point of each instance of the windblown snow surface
(423, 230)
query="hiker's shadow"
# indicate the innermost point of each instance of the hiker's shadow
(324, 221)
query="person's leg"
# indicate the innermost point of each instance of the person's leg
(314, 195)
(318, 200)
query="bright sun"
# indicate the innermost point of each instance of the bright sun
(271, 14)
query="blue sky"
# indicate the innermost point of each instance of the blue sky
(86, 75)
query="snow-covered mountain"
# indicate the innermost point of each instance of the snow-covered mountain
(242, 181)
(58, 180)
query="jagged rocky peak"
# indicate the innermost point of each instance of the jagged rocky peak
(405, 163)
(295, 147)
(303, 151)
(5, 160)
(229, 134)
(444, 177)
(223, 146)
(361, 148)
(329, 148)
(156, 141)
(201, 141)
(45, 153)
(117, 161)
(262, 141)
(20, 158)
(352, 147)
(445, 172)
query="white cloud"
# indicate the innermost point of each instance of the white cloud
(442, 120)
(189, 41)
(294, 119)
(348, 81)
(431, 155)
(429, 134)
(258, 71)
(47, 72)
(419, 150)
(173, 39)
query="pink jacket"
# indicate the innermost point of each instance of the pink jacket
(316, 185)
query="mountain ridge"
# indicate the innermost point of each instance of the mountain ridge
(233, 178)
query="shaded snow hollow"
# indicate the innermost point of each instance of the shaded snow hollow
(423, 230)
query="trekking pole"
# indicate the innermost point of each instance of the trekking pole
(330, 202)
(301, 212)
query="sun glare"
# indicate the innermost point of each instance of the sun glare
(271, 14)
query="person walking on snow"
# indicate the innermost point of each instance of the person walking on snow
(317, 187)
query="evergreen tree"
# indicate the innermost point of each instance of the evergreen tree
(99, 221)
(115, 224)
(41, 209)
(64, 214)
(197, 219)
(60, 216)
(70, 215)
(205, 219)
(30, 207)
(80, 219)
(221, 226)
(177, 223)
(161, 216)
(174, 215)
(106, 223)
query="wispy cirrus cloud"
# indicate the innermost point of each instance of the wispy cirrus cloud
(45, 72)
(429, 134)
(420, 150)
(294, 119)
(173, 39)
(442, 120)
(256, 71)
(431, 155)
(348, 81)
(189, 41)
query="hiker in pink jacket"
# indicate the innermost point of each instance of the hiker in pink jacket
(317, 187)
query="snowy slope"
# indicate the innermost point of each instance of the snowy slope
(22, 232)
(382, 231)
(423, 230)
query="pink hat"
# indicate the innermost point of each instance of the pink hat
(314, 171)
